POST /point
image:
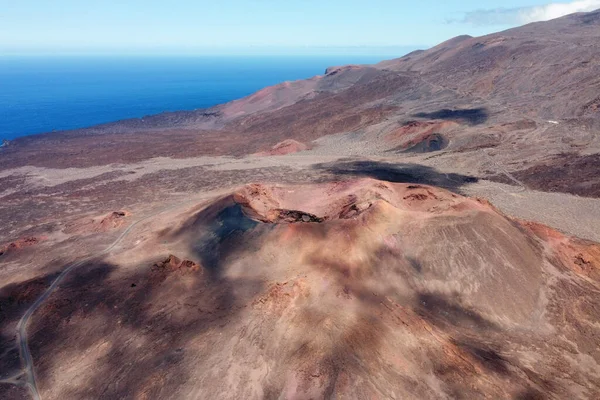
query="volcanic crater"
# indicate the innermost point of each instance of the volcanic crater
(338, 289)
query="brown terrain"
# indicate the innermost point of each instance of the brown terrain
(423, 228)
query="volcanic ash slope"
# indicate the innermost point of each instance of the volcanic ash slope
(360, 289)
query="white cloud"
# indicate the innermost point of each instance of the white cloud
(525, 15)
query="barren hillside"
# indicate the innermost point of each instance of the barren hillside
(422, 228)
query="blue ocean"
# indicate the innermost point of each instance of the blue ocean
(58, 93)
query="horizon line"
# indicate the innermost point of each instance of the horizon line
(224, 51)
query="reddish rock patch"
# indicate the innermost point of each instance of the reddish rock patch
(580, 256)
(411, 129)
(286, 147)
(337, 200)
(416, 196)
(175, 264)
(20, 244)
(113, 220)
(104, 223)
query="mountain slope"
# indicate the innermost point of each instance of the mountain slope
(553, 66)
(525, 99)
(314, 240)
(362, 289)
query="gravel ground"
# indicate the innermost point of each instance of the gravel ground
(578, 216)
(571, 214)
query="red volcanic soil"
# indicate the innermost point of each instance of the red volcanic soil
(20, 244)
(361, 289)
(346, 289)
(103, 223)
(172, 266)
(113, 220)
(286, 147)
(421, 136)
(270, 98)
(580, 256)
(332, 201)
(173, 263)
(412, 129)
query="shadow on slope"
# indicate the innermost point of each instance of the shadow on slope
(102, 312)
(401, 172)
(220, 238)
(152, 331)
(475, 343)
(15, 298)
(471, 116)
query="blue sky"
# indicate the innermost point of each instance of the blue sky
(259, 26)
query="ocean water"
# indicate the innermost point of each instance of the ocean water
(44, 94)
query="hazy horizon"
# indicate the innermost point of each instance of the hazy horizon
(310, 27)
(396, 51)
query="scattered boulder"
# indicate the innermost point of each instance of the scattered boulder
(291, 216)
(175, 264)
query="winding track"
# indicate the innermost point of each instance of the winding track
(28, 369)
(522, 187)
